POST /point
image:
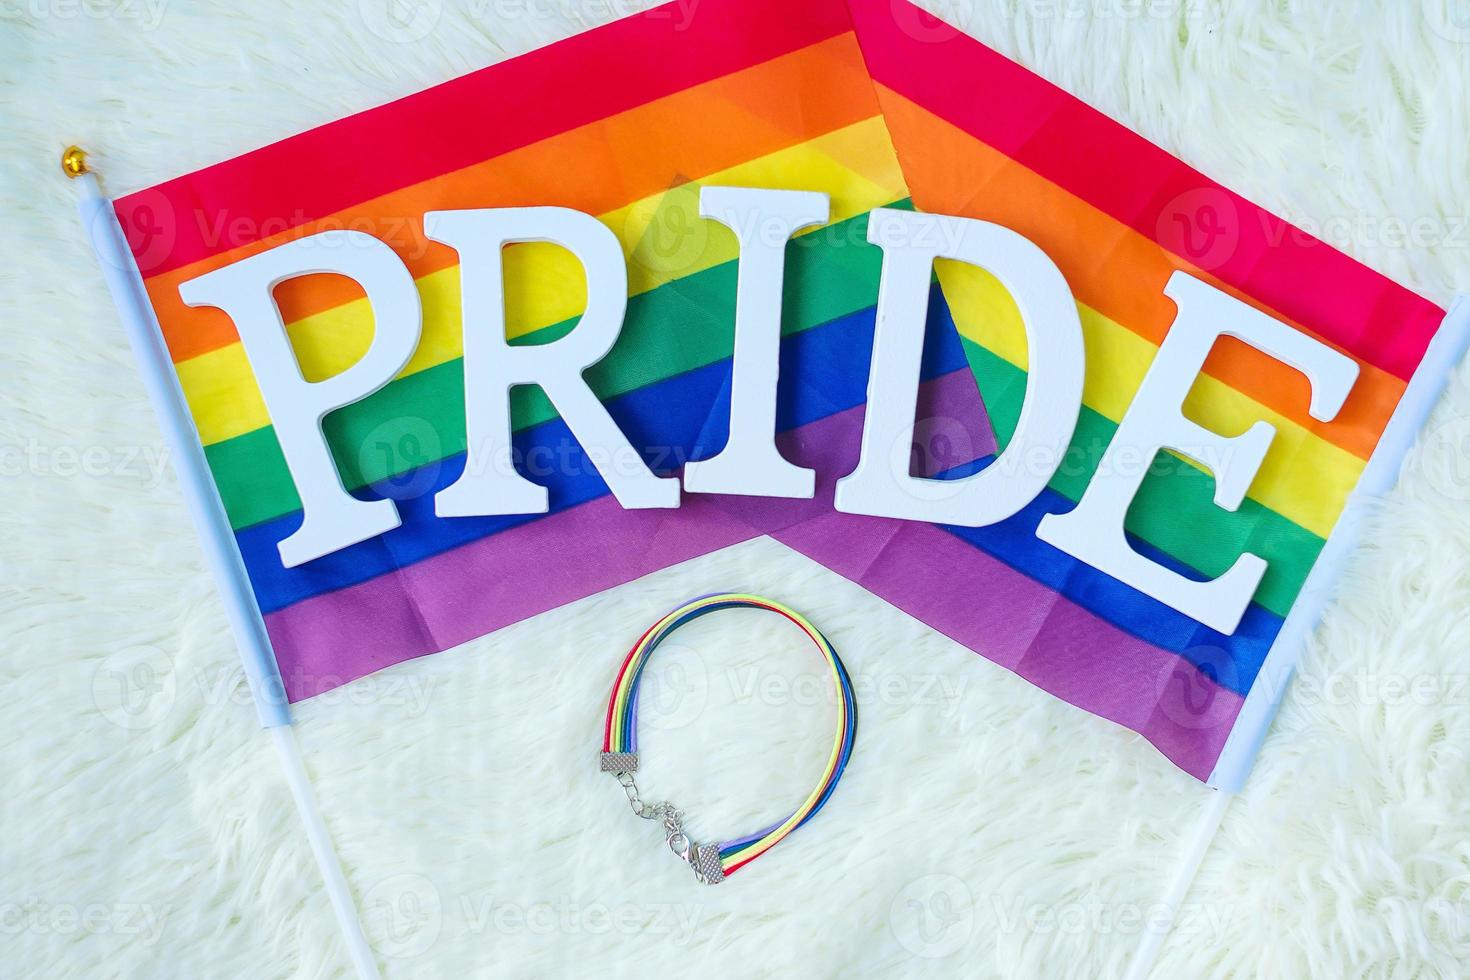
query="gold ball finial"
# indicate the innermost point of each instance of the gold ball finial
(74, 162)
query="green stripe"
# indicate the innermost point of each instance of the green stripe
(680, 326)
(1178, 514)
(687, 324)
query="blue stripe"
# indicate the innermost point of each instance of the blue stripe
(824, 370)
(1232, 661)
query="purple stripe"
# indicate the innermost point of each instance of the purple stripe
(1055, 644)
(927, 572)
(461, 594)
(502, 579)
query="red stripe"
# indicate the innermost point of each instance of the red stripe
(617, 682)
(461, 122)
(1122, 174)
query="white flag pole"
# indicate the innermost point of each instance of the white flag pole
(1189, 863)
(326, 856)
(1446, 350)
(125, 283)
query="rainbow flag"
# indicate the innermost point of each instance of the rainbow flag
(980, 136)
(625, 122)
(628, 122)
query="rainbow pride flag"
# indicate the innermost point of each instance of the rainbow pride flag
(625, 122)
(980, 136)
(879, 105)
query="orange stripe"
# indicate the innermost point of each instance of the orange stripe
(1111, 267)
(596, 168)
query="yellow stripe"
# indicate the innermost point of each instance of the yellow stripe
(1304, 478)
(776, 836)
(663, 238)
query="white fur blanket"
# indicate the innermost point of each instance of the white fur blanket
(984, 828)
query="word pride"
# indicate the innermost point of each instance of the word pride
(750, 463)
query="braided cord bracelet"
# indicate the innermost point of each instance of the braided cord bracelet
(713, 863)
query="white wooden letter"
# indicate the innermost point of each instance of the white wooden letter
(490, 484)
(1093, 530)
(332, 518)
(763, 221)
(882, 485)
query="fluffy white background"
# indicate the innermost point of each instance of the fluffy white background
(983, 826)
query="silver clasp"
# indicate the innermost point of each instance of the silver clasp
(673, 820)
(674, 835)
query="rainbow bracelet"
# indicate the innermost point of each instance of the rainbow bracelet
(713, 863)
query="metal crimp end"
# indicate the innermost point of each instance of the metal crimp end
(706, 864)
(618, 762)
